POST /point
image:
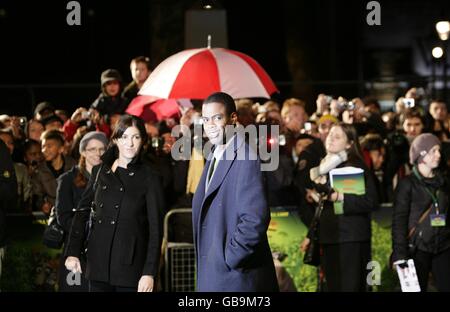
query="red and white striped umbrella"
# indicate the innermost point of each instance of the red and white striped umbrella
(196, 73)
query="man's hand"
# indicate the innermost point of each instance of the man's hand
(145, 283)
(77, 116)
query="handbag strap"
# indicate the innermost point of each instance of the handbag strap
(422, 217)
(317, 214)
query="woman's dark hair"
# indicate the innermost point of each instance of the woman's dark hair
(354, 152)
(224, 99)
(80, 180)
(372, 142)
(127, 121)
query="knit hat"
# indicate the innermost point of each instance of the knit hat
(328, 117)
(110, 75)
(43, 106)
(421, 145)
(97, 135)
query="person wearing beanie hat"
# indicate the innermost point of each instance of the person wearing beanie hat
(420, 224)
(43, 110)
(71, 186)
(110, 101)
(420, 146)
(93, 135)
(110, 75)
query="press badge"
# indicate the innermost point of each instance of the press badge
(438, 219)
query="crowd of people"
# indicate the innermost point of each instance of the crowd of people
(99, 154)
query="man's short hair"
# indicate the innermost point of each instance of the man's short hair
(55, 135)
(410, 114)
(224, 99)
(141, 59)
(290, 103)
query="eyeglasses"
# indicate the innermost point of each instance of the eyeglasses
(95, 150)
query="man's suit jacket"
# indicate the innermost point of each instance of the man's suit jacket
(230, 220)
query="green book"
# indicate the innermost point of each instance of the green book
(348, 180)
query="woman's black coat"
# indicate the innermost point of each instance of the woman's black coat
(411, 201)
(354, 224)
(125, 240)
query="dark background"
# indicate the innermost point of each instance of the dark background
(307, 47)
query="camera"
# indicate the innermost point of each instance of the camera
(157, 143)
(409, 103)
(261, 109)
(328, 99)
(23, 121)
(308, 126)
(85, 115)
(347, 105)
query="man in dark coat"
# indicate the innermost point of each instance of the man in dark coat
(8, 193)
(229, 212)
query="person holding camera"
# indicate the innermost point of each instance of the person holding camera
(90, 118)
(344, 230)
(68, 194)
(126, 198)
(420, 223)
(357, 114)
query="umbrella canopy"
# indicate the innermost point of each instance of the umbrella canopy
(197, 73)
(150, 110)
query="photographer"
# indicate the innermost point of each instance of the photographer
(420, 224)
(345, 222)
(322, 106)
(90, 118)
(364, 121)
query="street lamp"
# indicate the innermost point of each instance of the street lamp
(443, 30)
(437, 54)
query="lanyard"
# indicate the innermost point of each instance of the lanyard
(434, 197)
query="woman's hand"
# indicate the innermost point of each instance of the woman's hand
(335, 196)
(145, 283)
(73, 264)
(305, 244)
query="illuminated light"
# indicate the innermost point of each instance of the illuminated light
(443, 29)
(437, 52)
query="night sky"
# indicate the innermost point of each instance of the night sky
(311, 43)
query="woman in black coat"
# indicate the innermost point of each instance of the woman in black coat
(124, 244)
(344, 231)
(71, 186)
(419, 198)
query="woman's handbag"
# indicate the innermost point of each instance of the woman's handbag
(312, 253)
(411, 237)
(54, 233)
